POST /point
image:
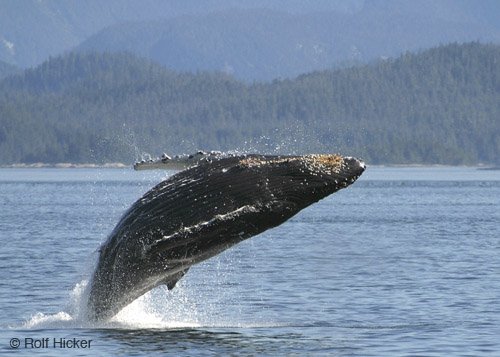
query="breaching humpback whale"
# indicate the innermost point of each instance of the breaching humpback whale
(199, 212)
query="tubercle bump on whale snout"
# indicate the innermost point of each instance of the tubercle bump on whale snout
(357, 166)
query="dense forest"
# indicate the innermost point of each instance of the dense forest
(438, 106)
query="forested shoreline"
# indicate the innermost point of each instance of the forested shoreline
(439, 106)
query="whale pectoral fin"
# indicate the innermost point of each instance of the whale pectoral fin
(173, 279)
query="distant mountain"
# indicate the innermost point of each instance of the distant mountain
(254, 40)
(7, 69)
(440, 106)
(266, 44)
(33, 30)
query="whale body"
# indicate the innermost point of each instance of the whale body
(202, 211)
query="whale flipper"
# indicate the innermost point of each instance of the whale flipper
(171, 281)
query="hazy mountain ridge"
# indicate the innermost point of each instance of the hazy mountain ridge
(39, 29)
(263, 44)
(280, 39)
(33, 30)
(437, 106)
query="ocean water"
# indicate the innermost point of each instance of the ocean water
(404, 262)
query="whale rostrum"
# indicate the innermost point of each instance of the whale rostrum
(202, 211)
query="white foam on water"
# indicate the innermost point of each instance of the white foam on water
(41, 320)
(182, 307)
(159, 308)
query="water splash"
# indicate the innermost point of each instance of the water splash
(209, 299)
(158, 308)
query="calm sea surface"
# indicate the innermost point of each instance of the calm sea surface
(404, 262)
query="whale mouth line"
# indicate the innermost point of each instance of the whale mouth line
(202, 211)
